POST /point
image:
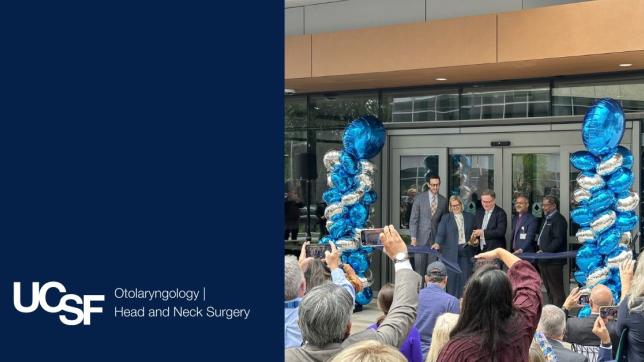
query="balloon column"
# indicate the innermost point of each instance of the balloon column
(604, 197)
(350, 181)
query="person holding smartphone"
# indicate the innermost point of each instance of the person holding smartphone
(580, 330)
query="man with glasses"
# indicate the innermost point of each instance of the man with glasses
(552, 239)
(524, 227)
(426, 212)
(490, 223)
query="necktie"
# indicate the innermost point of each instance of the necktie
(434, 205)
(545, 221)
(486, 219)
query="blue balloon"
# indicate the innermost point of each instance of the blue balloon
(331, 196)
(358, 262)
(625, 221)
(584, 160)
(342, 181)
(364, 296)
(621, 180)
(349, 164)
(603, 126)
(601, 201)
(608, 241)
(584, 312)
(580, 277)
(582, 215)
(340, 228)
(325, 240)
(369, 197)
(588, 258)
(627, 156)
(358, 214)
(364, 137)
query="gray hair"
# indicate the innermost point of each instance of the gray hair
(325, 312)
(292, 277)
(552, 322)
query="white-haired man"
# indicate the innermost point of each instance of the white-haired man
(325, 311)
(553, 325)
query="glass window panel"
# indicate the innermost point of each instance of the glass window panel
(492, 111)
(412, 182)
(516, 110)
(581, 94)
(538, 109)
(401, 117)
(295, 141)
(469, 175)
(511, 101)
(535, 175)
(420, 106)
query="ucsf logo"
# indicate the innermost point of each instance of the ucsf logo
(39, 298)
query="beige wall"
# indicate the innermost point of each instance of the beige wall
(587, 37)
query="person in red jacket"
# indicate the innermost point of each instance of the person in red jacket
(499, 312)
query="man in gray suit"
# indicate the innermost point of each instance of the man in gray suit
(325, 311)
(553, 325)
(426, 212)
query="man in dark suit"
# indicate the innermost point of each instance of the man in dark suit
(524, 227)
(490, 223)
(552, 239)
(426, 212)
(580, 330)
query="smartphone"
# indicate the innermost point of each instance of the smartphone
(608, 312)
(584, 299)
(371, 236)
(317, 250)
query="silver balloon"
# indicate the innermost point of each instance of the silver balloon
(596, 277)
(368, 168)
(610, 164)
(331, 159)
(618, 259)
(585, 235)
(365, 182)
(604, 221)
(590, 182)
(346, 244)
(628, 203)
(328, 224)
(332, 210)
(365, 282)
(329, 181)
(581, 195)
(352, 198)
(626, 238)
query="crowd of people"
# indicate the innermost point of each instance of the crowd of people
(500, 317)
(492, 310)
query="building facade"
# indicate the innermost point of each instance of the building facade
(487, 94)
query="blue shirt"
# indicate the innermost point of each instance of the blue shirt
(432, 302)
(292, 333)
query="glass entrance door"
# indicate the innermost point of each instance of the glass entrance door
(412, 166)
(534, 172)
(471, 171)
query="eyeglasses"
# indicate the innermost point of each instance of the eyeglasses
(434, 185)
(456, 205)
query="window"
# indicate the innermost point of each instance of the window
(420, 106)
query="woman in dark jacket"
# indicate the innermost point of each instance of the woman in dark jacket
(454, 230)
